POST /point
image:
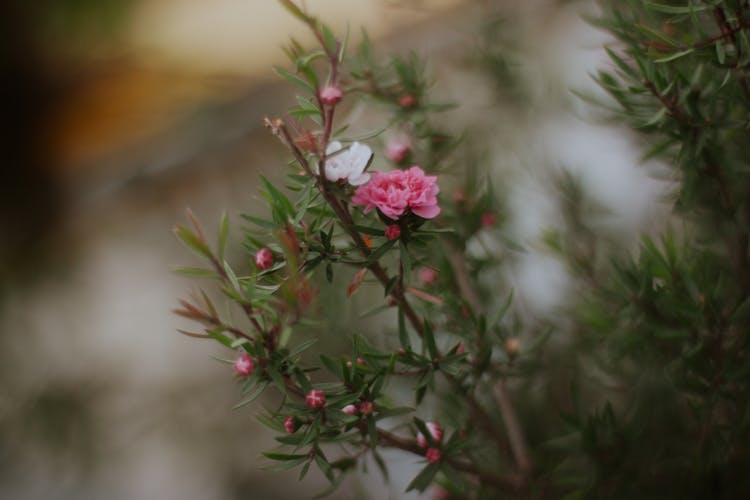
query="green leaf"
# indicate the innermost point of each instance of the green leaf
(223, 235)
(674, 56)
(294, 79)
(429, 340)
(403, 334)
(292, 8)
(267, 224)
(255, 394)
(380, 251)
(424, 478)
(676, 9)
(283, 456)
(196, 272)
(192, 241)
(302, 347)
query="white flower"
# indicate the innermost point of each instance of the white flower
(349, 164)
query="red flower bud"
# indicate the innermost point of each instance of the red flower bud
(264, 258)
(436, 432)
(349, 409)
(407, 101)
(393, 232)
(315, 399)
(366, 407)
(289, 424)
(244, 365)
(433, 455)
(488, 219)
(330, 95)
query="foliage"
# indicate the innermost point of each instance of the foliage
(644, 392)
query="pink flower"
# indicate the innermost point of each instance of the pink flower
(395, 192)
(460, 349)
(392, 232)
(436, 432)
(366, 407)
(330, 94)
(433, 455)
(349, 164)
(244, 365)
(398, 148)
(289, 424)
(264, 258)
(426, 275)
(315, 399)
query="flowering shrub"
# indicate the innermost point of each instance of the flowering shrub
(645, 390)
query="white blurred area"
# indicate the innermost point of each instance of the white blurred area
(158, 407)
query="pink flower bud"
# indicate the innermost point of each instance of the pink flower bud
(360, 362)
(330, 95)
(460, 349)
(366, 407)
(433, 455)
(315, 399)
(407, 101)
(392, 232)
(289, 424)
(436, 432)
(349, 409)
(488, 219)
(244, 365)
(264, 258)
(426, 275)
(397, 149)
(512, 345)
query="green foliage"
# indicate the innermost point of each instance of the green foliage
(643, 393)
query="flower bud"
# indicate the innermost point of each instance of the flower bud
(244, 365)
(315, 399)
(426, 275)
(433, 455)
(330, 95)
(289, 424)
(407, 101)
(264, 258)
(512, 345)
(393, 232)
(436, 432)
(397, 149)
(488, 219)
(366, 407)
(460, 349)
(349, 409)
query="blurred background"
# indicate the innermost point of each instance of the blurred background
(118, 115)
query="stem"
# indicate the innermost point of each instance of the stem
(518, 447)
(508, 484)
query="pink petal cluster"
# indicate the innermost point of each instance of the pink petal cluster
(395, 192)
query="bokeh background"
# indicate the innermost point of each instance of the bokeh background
(118, 115)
